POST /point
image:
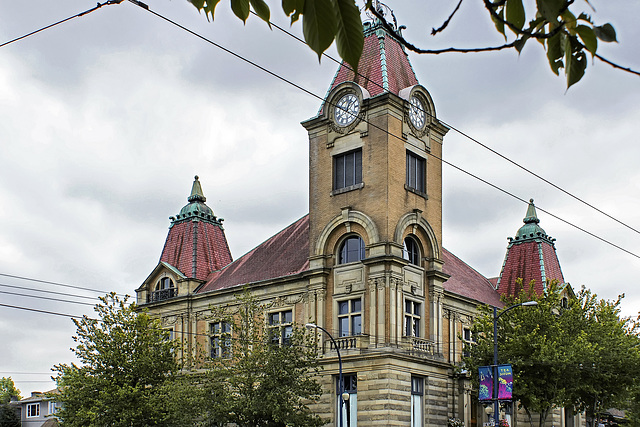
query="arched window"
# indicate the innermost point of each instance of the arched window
(164, 283)
(411, 250)
(164, 289)
(352, 250)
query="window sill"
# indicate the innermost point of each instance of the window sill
(418, 192)
(347, 189)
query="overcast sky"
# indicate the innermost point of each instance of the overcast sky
(107, 118)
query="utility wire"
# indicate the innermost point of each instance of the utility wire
(24, 288)
(56, 284)
(93, 9)
(383, 130)
(46, 298)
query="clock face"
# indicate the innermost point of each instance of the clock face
(416, 112)
(347, 109)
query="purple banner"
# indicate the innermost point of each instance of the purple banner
(505, 382)
(485, 391)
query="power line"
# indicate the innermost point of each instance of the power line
(24, 288)
(46, 298)
(56, 284)
(93, 9)
(145, 7)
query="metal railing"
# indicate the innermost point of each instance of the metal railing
(162, 294)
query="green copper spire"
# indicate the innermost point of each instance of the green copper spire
(196, 208)
(196, 192)
(530, 229)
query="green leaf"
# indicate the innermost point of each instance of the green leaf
(499, 23)
(295, 15)
(550, 9)
(569, 21)
(262, 10)
(349, 35)
(575, 60)
(289, 6)
(606, 33)
(319, 24)
(588, 37)
(241, 9)
(515, 13)
(519, 43)
(554, 52)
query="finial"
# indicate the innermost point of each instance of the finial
(531, 216)
(196, 192)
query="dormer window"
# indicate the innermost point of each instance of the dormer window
(164, 289)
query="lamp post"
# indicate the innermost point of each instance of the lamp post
(496, 404)
(340, 383)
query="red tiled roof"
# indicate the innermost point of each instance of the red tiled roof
(284, 254)
(529, 260)
(196, 248)
(467, 282)
(384, 65)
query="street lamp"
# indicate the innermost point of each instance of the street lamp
(496, 404)
(340, 383)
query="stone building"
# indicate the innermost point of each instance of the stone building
(367, 262)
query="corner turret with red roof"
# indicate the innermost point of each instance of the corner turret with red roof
(531, 255)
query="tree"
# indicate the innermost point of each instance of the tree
(8, 390)
(8, 415)
(128, 371)
(259, 379)
(574, 352)
(567, 34)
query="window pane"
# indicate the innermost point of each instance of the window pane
(416, 308)
(287, 317)
(420, 175)
(358, 167)
(352, 250)
(343, 307)
(416, 327)
(344, 326)
(339, 172)
(407, 326)
(274, 318)
(356, 305)
(356, 325)
(349, 169)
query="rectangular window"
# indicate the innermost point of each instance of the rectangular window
(281, 327)
(347, 169)
(417, 399)
(220, 339)
(412, 318)
(33, 410)
(468, 339)
(350, 317)
(350, 404)
(53, 407)
(415, 172)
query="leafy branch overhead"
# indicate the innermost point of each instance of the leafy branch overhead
(568, 36)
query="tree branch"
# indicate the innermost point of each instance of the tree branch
(416, 49)
(446, 23)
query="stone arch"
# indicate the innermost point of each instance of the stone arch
(347, 217)
(416, 220)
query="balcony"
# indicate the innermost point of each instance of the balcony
(162, 295)
(421, 345)
(350, 342)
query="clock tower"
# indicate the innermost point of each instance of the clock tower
(375, 199)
